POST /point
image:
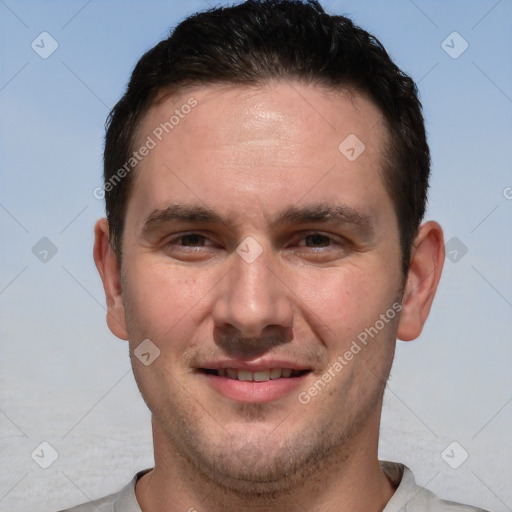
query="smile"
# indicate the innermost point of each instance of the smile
(258, 376)
(258, 385)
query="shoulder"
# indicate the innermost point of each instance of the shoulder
(105, 504)
(410, 497)
(124, 500)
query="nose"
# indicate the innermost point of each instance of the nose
(253, 299)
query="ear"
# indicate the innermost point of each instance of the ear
(106, 263)
(422, 279)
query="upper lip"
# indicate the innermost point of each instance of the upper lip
(253, 366)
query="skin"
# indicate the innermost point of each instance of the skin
(248, 154)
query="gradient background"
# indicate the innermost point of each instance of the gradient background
(67, 381)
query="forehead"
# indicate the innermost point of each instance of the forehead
(230, 115)
(264, 144)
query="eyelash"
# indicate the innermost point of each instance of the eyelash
(331, 239)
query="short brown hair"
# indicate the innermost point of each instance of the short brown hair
(262, 40)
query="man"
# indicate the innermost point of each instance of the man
(266, 175)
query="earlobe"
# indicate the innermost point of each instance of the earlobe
(422, 280)
(108, 268)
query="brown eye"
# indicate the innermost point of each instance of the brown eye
(317, 240)
(192, 239)
(190, 247)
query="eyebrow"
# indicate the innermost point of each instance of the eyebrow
(324, 213)
(315, 213)
(180, 213)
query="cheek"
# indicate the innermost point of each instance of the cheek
(159, 299)
(342, 302)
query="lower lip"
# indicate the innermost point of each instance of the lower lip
(255, 392)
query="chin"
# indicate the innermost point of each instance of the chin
(262, 462)
(253, 477)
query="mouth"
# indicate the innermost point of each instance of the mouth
(257, 376)
(255, 385)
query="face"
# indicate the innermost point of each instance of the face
(263, 263)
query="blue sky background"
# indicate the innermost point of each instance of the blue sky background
(66, 380)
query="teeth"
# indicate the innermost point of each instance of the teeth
(232, 373)
(260, 376)
(244, 375)
(275, 373)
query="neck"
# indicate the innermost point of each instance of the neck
(349, 479)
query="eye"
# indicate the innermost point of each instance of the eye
(317, 240)
(319, 247)
(190, 247)
(190, 240)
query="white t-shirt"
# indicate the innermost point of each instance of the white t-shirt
(408, 497)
